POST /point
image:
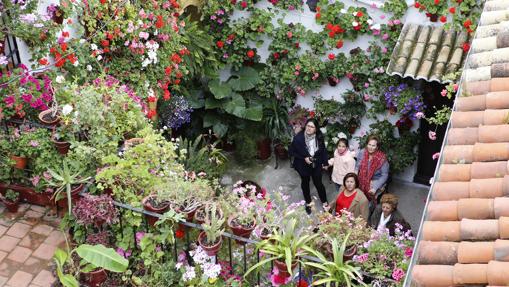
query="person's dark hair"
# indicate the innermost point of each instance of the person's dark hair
(354, 176)
(376, 138)
(343, 140)
(318, 132)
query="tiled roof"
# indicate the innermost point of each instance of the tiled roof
(427, 52)
(464, 239)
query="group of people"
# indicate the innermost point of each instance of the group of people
(359, 178)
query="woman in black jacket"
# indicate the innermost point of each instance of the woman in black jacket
(310, 155)
(387, 216)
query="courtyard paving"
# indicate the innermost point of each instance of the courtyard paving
(28, 240)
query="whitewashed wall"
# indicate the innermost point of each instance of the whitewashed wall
(307, 19)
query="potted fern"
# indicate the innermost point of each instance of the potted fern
(210, 239)
(285, 248)
(336, 272)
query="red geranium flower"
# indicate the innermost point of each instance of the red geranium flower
(297, 45)
(159, 22)
(109, 36)
(443, 19)
(339, 44)
(43, 61)
(359, 14)
(105, 43)
(467, 23)
(312, 114)
(103, 1)
(150, 115)
(243, 4)
(466, 47)
(176, 58)
(332, 56)
(65, 34)
(276, 55)
(302, 283)
(318, 16)
(329, 26)
(220, 44)
(250, 54)
(357, 28)
(63, 46)
(167, 95)
(437, 2)
(417, 5)
(168, 70)
(180, 233)
(332, 34)
(452, 10)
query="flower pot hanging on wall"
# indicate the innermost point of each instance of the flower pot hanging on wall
(312, 4)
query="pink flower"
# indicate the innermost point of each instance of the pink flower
(397, 22)
(366, 85)
(278, 280)
(35, 180)
(398, 274)
(408, 252)
(361, 258)
(455, 87)
(382, 16)
(432, 135)
(384, 50)
(296, 73)
(289, 34)
(419, 115)
(435, 156)
(443, 93)
(366, 97)
(385, 36)
(34, 143)
(144, 35)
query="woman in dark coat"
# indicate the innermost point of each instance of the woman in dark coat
(386, 215)
(310, 155)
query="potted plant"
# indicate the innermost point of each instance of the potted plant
(276, 127)
(248, 207)
(337, 272)
(204, 212)
(284, 248)
(56, 13)
(11, 200)
(404, 99)
(210, 238)
(156, 204)
(336, 68)
(88, 262)
(23, 145)
(69, 179)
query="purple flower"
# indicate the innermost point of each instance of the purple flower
(9, 101)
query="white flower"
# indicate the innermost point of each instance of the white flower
(335, 140)
(354, 13)
(3, 60)
(190, 274)
(370, 21)
(99, 58)
(323, 130)
(178, 265)
(93, 46)
(60, 79)
(344, 11)
(89, 68)
(211, 270)
(376, 26)
(82, 41)
(355, 24)
(67, 109)
(38, 25)
(145, 62)
(76, 63)
(342, 135)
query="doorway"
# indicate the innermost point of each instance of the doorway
(433, 100)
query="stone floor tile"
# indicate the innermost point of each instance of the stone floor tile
(18, 230)
(23, 207)
(44, 279)
(3, 254)
(3, 229)
(32, 261)
(42, 229)
(41, 209)
(34, 265)
(55, 238)
(7, 243)
(33, 214)
(3, 280)
(5, 221)
(20, 254)
(45, 251)
(20, 279)
(9, 267)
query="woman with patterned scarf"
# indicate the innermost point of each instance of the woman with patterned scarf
(373, 170)
(310, 155)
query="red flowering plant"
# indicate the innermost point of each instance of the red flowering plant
(342, 23)
(286, 40)
(432, 8)
(465, 15)
(23, 94)
(233, 48)
(304, 74)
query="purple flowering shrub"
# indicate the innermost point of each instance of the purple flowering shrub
(406, 100)
(175, 112)
(385, 256)
(95, 210)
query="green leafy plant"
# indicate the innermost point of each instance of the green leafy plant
(276, 121)
(336, 272)
(201, 155)
(287, 244)
(213, 225)
(92, 258)
(441, 116)
(64, 178)
(11, 195)
(398, 8)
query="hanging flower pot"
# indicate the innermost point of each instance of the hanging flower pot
(352, 128)
(312, 4)
(281, 151)
(241, 230)
(210, 249)
(433, 17)
(20, 161)
(282, 267)
(48, 118)
(404, 124)
(62, 147)
(333, 81)
(150, 204)
(94, 278)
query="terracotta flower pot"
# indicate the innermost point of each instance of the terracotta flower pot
(75, 196)
(188, 214)
(28, 194)
(199, 215)
(46, 118)
(148, 206)
(333, 81)
(281, 151)
(350, 251)
(94, 278)
(12, 206)
(240, 230)
(20, 161)
(211, 250)
(263, 148)
(282, 267)
(62, 147)
(433, 17)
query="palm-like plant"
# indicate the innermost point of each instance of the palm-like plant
(64, 178)
(338, 271)
(286, 245)
(276, 121)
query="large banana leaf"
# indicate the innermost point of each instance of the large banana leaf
(219, 89)
(245, 79)
(102, 257)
